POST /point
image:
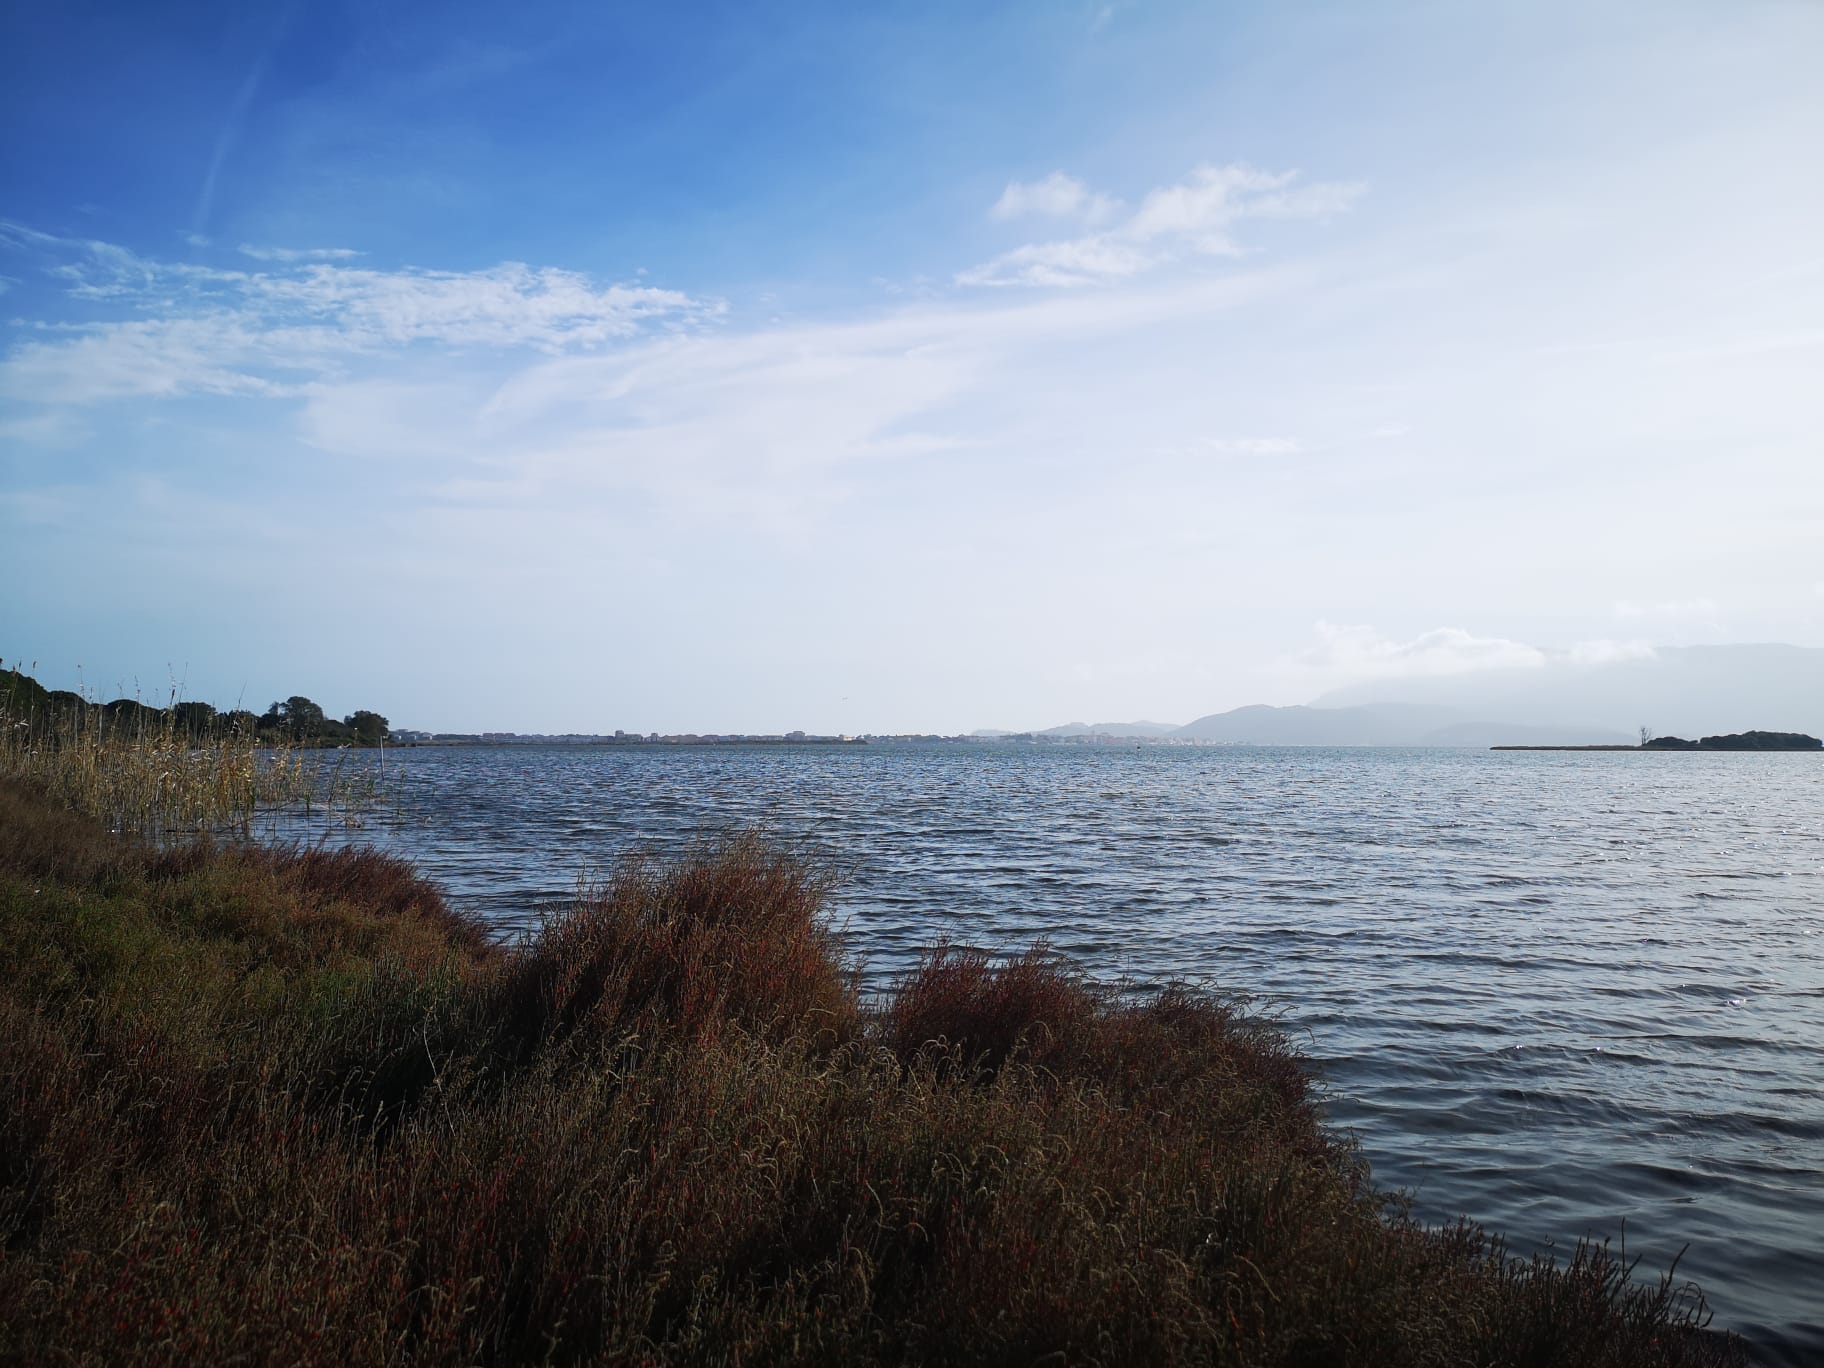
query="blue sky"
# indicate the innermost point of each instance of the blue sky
(749, 367)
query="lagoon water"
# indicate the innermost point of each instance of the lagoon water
(1565, 994)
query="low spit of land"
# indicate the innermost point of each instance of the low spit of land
(281, 1105)
(1735, 741)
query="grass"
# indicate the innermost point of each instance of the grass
(283, 1105)
(141, 770)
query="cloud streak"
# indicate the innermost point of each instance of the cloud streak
(204, 330)
(1056, 196)
(1190, 219)
(1361, 653)
(292, 254)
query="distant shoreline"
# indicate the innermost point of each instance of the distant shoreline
(1569, 748)
(1675, 750)
(649, 743)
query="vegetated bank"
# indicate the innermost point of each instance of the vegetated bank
(296, 721)
(154, 771)
(283, 1105)
(1735, 741)
(1738, 741)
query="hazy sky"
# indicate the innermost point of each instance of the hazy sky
(900, 366)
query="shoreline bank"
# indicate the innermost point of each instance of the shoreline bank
(307, 1085)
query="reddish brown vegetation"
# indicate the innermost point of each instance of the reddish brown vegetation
(732, 938)
(284, 1107)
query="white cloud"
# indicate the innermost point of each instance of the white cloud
(1191, 218)
(1361, 652)
(160, 359)
(294, 254)
(103, 270)
(761, 428)
(510, 305)
(1057, 196)
(1096, 260)
(201, 330)
(1201, 207)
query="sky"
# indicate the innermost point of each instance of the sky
(900, 367)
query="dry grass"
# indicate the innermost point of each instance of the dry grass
(731, 937)
(145, 774)
(265, 1106)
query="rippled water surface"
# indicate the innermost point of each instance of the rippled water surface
(1563, 993)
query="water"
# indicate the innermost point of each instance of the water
(1562, 993)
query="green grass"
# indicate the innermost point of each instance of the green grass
(284, 1106)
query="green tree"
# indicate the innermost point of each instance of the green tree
(370, 728)
(194, 720)
(297, 717)
(240, 722)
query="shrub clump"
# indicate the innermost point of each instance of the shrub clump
(285, 1106)
(733, 937)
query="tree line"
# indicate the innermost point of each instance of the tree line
(296, 720)
(1748, 740)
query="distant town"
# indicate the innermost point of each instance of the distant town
(409, 737)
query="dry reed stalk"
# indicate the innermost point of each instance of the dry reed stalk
(149, 777)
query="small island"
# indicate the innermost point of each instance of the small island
(1738, 741)
(1735, 741)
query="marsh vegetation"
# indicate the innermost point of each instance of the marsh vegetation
(284, 1105)
(183, 767)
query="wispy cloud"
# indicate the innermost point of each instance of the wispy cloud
(200, 329)
(232, 121)
(1100, 259)
(1103, 15)
(1362, 653)
(1189, 219)
(771, 422)
(1056, 196)
(291, 254)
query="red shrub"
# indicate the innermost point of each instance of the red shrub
(735, 933)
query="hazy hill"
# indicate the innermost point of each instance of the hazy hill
(1129, 729)
(1688, 690)
(1382, 724)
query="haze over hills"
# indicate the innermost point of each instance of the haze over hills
(1382, 724)
(1680, 690)
(1687, 691)
(1121, 729)
(1126, 731)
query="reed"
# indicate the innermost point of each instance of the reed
(282, 1105)
(145, 773)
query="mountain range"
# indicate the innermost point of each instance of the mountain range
(1686, 691)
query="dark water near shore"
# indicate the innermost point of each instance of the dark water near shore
(1564, 994)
